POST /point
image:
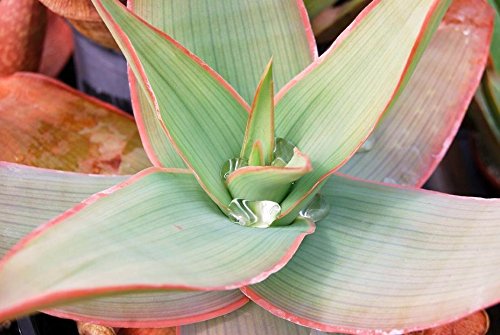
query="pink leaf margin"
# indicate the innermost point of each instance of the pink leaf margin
(53, 298)
(342, 37)
(284, 314)
(142, 131)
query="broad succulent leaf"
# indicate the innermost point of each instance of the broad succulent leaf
(237, 47)
(153, 309)
(237, 38)
(331, 107)
(250, 319)
(169, 233)
(431, 257)
(47, 124)
(258, 143)
(201, 114)
(414, 135)
(30, 196)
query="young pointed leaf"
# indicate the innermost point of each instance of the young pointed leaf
(237, 38)
(169, 233)
(331, 107)
(47, 124)
(267, 182)
(389, 260)
(414, 135)
(260, 125)
(153, 309)
(250, 319)
(30, 196)
(201, 114)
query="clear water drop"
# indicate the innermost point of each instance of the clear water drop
(283, 152)
(232, 165)
(317, 209)
(257, 214)
(367, 146)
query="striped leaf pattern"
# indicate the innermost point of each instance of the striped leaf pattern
(389, 260)
(331, 108)
(415, 134)
(237, 38)
(157, 230)
(202, 115)
(250, 319)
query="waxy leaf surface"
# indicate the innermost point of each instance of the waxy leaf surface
(171, 236)
(47, 124)
(200, 113)
(331, 107)
(250, 319)
(30, 196)
(389, 259)
(414, 135)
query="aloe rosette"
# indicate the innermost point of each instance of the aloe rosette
(159, 248)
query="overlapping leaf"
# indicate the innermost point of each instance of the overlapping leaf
(389, 260)
(330, 109)
(168, 232)
(47, 124)
(414, 135)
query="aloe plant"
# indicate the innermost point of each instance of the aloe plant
(230, 203)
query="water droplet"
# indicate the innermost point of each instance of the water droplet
(367, 146)
(283, 152)
(257, 214)
(317, 209)
(232, 165)
(388, 180)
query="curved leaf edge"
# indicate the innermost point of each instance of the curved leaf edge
(142, 75)
(60, 85)
(306, 22)
(75, 294)
(156, 323)
(279, 312)
(472, 86)
(342, 37)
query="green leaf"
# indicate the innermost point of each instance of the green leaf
(314, 7)
(153, 309)
(237, 38)
(414, 135)
(47, 124)
(30, 196)
(331, 107)
(495, 42)
(389, 259)
(259, 134)
(200, 113)
(250, 319)
(267, 182)
(155, 231)
(160, 151)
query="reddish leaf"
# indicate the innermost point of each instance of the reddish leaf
(47, 124)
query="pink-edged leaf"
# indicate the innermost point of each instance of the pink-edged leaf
(30, 196)
(200, 113)
(45, 123)
(153, 309)
(22, 31)
(237, 38)
(57, 46)
(250, 319)
(155, 231)
(390, 260)
(332, 107)
(236, 47)
(414, 135)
